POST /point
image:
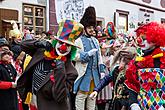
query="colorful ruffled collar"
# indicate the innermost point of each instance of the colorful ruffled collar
(148, 61)
(52, 55)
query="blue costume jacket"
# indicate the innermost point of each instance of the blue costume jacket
(88, 67)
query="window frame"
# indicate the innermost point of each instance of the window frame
(34, 17)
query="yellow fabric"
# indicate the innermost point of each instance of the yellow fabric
(92, 85)
(155, 56)
(28, 98)
(46, 53)
(26, 62)
(59, 57)
(29, 95)
(140, 59)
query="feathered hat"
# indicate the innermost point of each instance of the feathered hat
(154, 33)
(89, 17)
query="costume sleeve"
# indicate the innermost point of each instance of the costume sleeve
(132, 81)
(102, 68)
(5, 85)
(103, 82)
(64, 76)
(71, 74)
(28, 46)
(81, 55)
(106, 80)
(84, 57)
(59, 89)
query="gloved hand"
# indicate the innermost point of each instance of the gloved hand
(14, 85)
(92, 52)
(135, 106)
(102, 75)
(43, 44)
(93, 95)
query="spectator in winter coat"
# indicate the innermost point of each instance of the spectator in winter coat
(8, 94)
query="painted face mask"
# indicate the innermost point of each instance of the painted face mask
(62, 48)
(143, 43)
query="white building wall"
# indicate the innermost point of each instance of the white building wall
(106, 9)
(154, 3)
(16, 5)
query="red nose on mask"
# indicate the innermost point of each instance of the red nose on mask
(139, 40)
(63, 47)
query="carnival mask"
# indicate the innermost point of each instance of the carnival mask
(89, 30)
(62, 48)
(143, 43)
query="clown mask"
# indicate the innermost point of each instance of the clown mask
(143, 43)
(62, 48)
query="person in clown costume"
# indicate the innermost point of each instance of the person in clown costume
(145, 76)
(50, 73)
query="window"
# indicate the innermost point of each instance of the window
(100, 21)
(34, 18)
(6, 15)
(121, 21)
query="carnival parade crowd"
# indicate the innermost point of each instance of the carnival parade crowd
(83, 67)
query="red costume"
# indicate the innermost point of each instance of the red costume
(145, 76)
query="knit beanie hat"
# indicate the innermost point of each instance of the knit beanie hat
(4, 52)
(3, 42)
